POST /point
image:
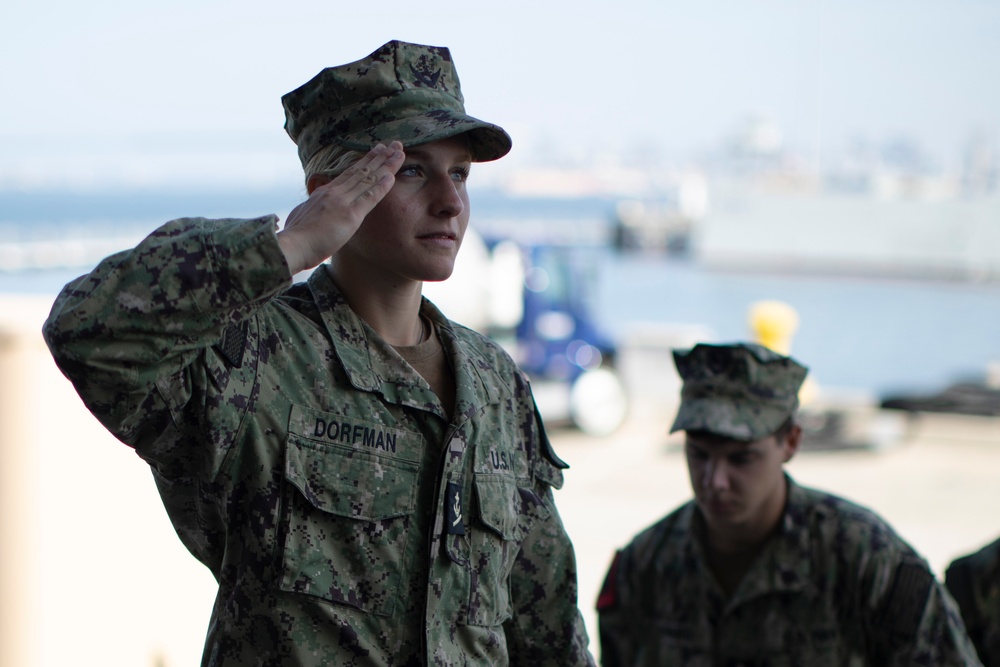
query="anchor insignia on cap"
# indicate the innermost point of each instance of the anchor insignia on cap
(424, 75)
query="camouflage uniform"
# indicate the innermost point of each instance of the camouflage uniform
(834, 585)
(346, 519)
(974, 582)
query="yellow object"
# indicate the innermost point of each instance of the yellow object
(774, 323)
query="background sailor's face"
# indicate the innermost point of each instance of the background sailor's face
(415, 232)
(734, 482)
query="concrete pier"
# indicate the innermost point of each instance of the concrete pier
(91, 571)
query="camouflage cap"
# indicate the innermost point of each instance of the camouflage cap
(402, 91)
(743, 391)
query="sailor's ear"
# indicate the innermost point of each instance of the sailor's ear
(315, 181)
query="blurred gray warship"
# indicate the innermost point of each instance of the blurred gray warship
(753, 206)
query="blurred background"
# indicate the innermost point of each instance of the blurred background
(823, 177)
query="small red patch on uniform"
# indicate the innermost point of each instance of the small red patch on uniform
(608, 598)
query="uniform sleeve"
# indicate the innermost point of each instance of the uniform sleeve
(136, 335)
(960, 582)
(974, 582)
(546, 628)
(617, 643)
(914, 620)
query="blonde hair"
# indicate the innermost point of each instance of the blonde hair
(331, 160)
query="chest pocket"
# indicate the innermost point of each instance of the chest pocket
(668, 643)
(493, 543)
(788, 630)
(666, 648)
(346, 521)
(507, 511)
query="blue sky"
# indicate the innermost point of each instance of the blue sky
(101, 92)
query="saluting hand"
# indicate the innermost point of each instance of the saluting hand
(321, 225)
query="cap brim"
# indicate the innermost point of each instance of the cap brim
(727, 418)
(486, 141)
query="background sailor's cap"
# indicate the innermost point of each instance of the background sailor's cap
(742, 391)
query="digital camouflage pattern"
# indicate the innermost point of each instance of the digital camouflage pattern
(402, 91)
(743, 391)
(835, 586)
(345, 518)
(974, 582)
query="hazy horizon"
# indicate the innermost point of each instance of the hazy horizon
(102, 94)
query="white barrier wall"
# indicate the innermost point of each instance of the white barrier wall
(91, 571)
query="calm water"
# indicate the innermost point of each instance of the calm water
(882, 335)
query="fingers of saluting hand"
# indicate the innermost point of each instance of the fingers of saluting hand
(367, 181)
(322, 224)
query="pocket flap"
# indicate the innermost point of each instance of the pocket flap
(349, 482)
(498, 501)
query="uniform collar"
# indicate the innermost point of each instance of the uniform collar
(784, 563)
(373, 365)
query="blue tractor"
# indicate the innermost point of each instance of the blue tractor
(536, 299)
(558, 341)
